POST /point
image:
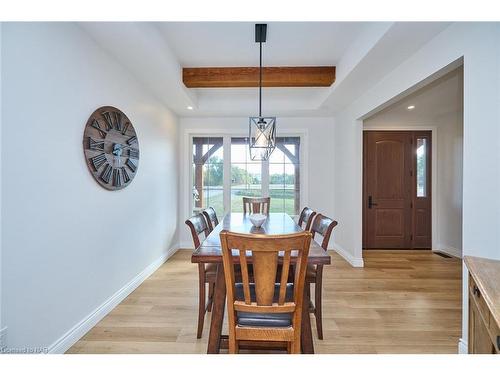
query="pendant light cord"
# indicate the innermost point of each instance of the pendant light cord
(260, 80)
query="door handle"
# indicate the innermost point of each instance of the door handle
(370, 202)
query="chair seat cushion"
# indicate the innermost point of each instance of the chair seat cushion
(263, 320)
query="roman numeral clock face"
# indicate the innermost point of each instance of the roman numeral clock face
(111, 148)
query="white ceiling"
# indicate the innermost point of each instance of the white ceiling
(206, 44)
(441, 97)
(396, 44)
(363, 53)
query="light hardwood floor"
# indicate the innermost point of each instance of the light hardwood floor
(401, 302)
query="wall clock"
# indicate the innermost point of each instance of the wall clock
(111, 148)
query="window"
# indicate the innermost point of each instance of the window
(208, 173)
(421, 167)
(223, 185)
(246, 174)
(284, 177)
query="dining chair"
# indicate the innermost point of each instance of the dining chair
(323, 226)
(256, 205)
(265, 310)
(206, 273)
(211, 217)
(306, 216)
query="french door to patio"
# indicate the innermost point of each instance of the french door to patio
(223, 173)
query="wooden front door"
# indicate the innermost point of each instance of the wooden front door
(396, 190)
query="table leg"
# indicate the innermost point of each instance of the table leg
(219, 302)
(307, 344)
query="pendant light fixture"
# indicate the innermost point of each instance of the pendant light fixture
(262, 130)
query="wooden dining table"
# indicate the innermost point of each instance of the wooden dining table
(210, 252)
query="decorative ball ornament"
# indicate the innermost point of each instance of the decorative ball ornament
(111, 148)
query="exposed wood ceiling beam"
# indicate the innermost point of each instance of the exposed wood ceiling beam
(290, 76)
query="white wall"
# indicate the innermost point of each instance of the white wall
(1, 306)
(69, 244)
(449, 182)
(316, 172)
(478, 43)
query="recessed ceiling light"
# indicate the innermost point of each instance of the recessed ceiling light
(410, 107)
(189, 107)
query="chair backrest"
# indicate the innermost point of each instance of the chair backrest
(306, 216)
(197, 224)
(265, 254)
(324, 226)
(211, 218)
(256, 205)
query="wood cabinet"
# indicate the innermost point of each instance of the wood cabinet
(484, 305)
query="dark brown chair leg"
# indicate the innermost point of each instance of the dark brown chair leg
(210, 296)
(307, 343)
(317, 301)
(201, 301)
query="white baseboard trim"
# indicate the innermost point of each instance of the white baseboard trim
(462, 347)
(80, 329)
(355, 262)
(450, 250)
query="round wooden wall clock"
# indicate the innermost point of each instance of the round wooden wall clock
(111, 148)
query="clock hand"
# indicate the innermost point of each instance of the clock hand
(122, 145)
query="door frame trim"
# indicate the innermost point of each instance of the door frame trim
(434, 176)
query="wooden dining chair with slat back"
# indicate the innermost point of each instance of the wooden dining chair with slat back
(256, 205)
(323, 226)
(306, 216)
(211, 218)
(265, 310)
(206, 273)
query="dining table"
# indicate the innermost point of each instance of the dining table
(210, 252)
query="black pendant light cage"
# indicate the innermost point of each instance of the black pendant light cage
(261, 130)
(262, 136)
